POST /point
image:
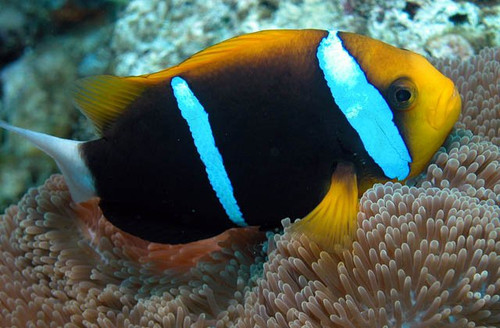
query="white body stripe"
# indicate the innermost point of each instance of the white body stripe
(197, 119)
(364, 107)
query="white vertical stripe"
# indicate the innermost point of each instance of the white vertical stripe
(197, 119)
(364, 107)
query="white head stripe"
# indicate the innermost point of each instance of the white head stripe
(364, 107)
(197, 119)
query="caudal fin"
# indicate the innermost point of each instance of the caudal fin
(333, 223)
(67, 155)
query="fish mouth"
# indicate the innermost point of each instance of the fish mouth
(447, 109)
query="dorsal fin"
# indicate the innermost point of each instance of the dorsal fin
(103, 98)
(251, 44)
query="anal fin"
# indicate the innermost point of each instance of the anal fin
(332, 224)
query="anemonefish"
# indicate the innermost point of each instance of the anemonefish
(268, 125)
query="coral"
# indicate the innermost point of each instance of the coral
(449, 46)
(425, 256)
(152, 35)
(426, 26)
(160, 42)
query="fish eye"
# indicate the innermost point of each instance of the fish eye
(401, 94)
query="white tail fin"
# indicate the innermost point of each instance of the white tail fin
(67, 155)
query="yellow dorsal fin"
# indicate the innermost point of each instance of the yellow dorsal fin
(333, 223)
(103, 98)
(249, 44)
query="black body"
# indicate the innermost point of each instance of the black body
(275, 124)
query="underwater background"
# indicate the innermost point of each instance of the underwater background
(426, 256)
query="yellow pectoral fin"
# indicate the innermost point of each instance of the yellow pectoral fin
(332, 224)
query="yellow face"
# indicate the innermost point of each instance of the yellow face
(425, 103)
(427, 118)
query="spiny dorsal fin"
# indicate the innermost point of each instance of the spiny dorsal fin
(103, 98)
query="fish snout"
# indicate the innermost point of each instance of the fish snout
(447, 109)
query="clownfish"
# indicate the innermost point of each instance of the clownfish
(267, 125)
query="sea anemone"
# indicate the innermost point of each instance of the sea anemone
(478, 81)
(425, 255)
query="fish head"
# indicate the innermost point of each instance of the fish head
(425, 103)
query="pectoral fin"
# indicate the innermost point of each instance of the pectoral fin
(332, 224)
